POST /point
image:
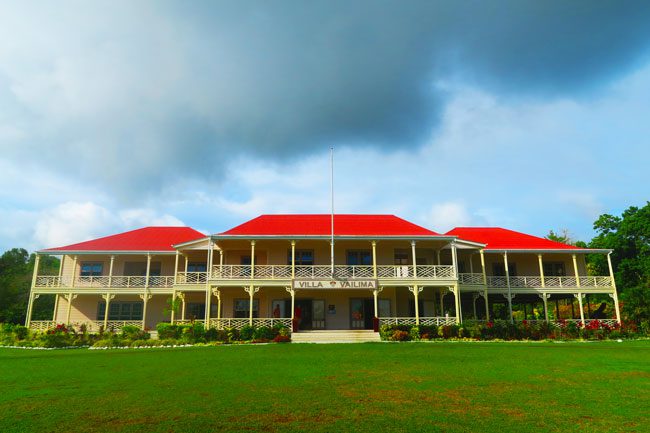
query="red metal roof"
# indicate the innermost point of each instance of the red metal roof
(319, 225)
(144, 239)
(497, 238)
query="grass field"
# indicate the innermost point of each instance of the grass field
(408, 387)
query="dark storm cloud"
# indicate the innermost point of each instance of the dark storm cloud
(154, 91)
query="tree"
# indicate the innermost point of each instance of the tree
(629, 238)
(16, 268)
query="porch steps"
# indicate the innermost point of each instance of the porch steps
(335, 336)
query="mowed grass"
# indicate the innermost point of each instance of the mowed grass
(408, 387)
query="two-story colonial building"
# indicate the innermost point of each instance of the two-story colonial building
(274, 268)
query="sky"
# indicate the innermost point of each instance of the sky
(521, 114)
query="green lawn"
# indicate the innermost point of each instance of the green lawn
(505, 387)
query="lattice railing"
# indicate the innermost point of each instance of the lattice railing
(438, 321)
(231, 271)
(315, 271)
(471, 279)
(41, 325)
(188, 322)
(50, 281)
(191, 277)
(239, 323)
(550, 282)
(434, 272)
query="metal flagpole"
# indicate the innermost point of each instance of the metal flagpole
(332, 208)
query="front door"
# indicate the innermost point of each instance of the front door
(303, 313)
(362, 312)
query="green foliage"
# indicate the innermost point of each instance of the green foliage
(247, 333)
(134, 333)
(264, 333)
(16, 268)
(167, 330)
(629, 237)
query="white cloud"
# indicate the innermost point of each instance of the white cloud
(73, 222)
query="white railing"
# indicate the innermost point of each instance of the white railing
(188, 321)
(41, 325)
(50, 281)
(435, 272)
(557, 323)
(191, 277)
(471, 279)
(239, 323)
(438, 321)
(272, 272)
(549, 282)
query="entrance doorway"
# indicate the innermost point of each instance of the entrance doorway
(362, 312)
(311, 313)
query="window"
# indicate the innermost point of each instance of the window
(359, 257)
(554, 269)
(91, 269)
(120, 310)
(195, 310)
(402, 257)
(197, 267)
(499, 270)
(303, 257)
(242, 308)
(139, 269)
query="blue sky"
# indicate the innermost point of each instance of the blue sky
(114, 115)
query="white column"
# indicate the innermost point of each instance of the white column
(208, 300)
(70, 296)
(30, 307)
(146, 282)
(187, 264)
(505, 262)
(178, 253)
(438, 256)
(487, 306)
(173, 312)
(374, 266)
(415, 267)
(374, 295)
(145, 299)
(107, 297)
(252, 266)
(110, 272)
(454, 258)
(217, 293)
(459, 314)
(541, 271)
(37, 261)
(251, 290)
(56, 307)
(74, 271)
(614, 294)
(575, 269)
(60, 272)
(220, 262)
(582, 313)
(471, 263)
(483, 267)
(416, 290)
(293, 259)
(292, 292)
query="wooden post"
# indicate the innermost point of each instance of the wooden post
(60, 273)
(582, 313)
(173, 312)
(415, 290)
(614, 294)
(107, 297)
(483, 268)
(70, 297)
(110, 271)
(487, 307)
(505, 262)
(459, 313)
(293, 259)
(148, 272)
(545, 299)
(374, 295)
(575, 269)
(541, 270)
(178, 253)
(145, 299)
(374, 266)
(56, 307)
(208, 301)
(74, 271)
(454, 258)
(217, 293)
(252, 266)
(415, 267)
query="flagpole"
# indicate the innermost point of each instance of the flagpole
(332, 208)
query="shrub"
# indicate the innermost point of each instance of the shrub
(400, 335)
(134, 333)
(282, 339)
(21, 332)
(167, 331)
(264, 333)
(192, 333)
(246, 333)
(414, 333)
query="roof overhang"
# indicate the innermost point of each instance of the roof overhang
(558, 251)
(336, 237)
(132, 252)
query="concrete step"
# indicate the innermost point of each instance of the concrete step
(335, 336)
